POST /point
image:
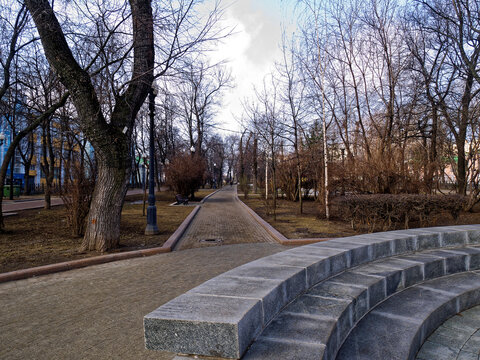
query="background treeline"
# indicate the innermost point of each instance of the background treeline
(372, 97)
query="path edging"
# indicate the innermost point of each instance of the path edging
(102, 259)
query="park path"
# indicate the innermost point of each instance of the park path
(97, 312)
(38, 202)
(222, 217)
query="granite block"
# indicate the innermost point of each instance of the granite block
(357, 295)
(317, 268)
(273, 294)
(206, 325)
(339, 309)
(375, 285)
(303, 328)
(433, 266)
(274, 349)
(359, 253)
(392, 277)
(473, 254)
(378, 339)
(454, 237)
(454, 262)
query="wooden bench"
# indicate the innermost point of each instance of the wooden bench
(181, 200)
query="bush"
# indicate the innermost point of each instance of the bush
(77, 196)
(185, 174)
(389, 211)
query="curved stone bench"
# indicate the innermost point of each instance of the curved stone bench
(320, 320)
(397, 328)
(224, 315)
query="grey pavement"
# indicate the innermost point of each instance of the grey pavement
(38, 202)
(97, 312)
(222, 217)
(456, 339)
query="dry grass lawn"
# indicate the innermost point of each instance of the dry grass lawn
(295, 226)
(310, 225)
(41, 237)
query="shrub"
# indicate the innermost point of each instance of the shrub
(185, 174)
(389, 211)
(77, 196)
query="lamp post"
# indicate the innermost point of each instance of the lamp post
(152, 228)
(192, 150)
(2, 139)
(214, 175)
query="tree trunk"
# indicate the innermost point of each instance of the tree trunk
(110, 139)
(103, 227)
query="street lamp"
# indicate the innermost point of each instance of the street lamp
(192, 149)
(152, 228)
(214, 175)
(2, 139)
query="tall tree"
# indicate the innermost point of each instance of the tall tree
(110, 138)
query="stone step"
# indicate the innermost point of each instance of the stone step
(223, 316)
(397, 328)
(320, 320)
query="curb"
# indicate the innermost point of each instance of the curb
(279, 237)
(102, 259)
(172, 241)
(211, 194)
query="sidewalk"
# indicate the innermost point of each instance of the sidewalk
(97, 312)
(223, 220)
(38, 202)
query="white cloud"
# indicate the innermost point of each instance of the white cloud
(251, 51)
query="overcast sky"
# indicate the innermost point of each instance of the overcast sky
(251, 51)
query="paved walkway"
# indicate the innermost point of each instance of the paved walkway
(38, 202)
(97, 312)
(223, 218)
(456, 339)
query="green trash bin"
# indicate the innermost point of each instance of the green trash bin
(6, 191)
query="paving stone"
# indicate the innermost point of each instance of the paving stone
(431, 350)
(452, 337)
(463, 355)
(214, 221)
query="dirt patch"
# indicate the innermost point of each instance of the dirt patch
(41, 237)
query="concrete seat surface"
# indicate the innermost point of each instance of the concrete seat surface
(223, 316)
(321, 319)
(397, 328)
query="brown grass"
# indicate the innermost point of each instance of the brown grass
(41, 237)
(295, 226)
(310, 225)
